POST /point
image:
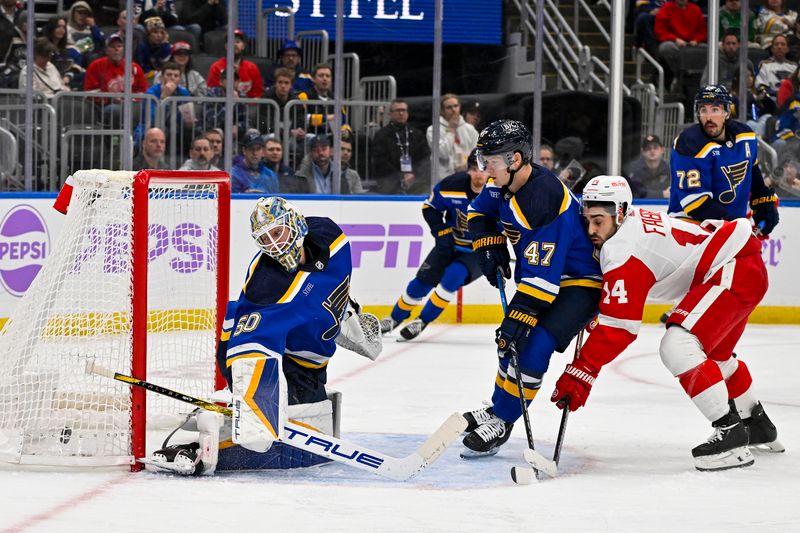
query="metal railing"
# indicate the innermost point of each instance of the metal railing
(352, 74)
(668, 123)
(767, 157)
(375, 88)
(314, 44)
(10, 173)
(646, 94)
(640, 56)
(44, 143)
(273, 27)
(84, 149)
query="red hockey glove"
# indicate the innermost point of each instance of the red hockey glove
(574, 385)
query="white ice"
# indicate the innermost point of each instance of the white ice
(626, 463)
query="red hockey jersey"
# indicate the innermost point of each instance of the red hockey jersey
(654, 255)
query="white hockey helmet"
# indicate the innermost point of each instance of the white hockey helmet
(609, 189)
(274, 213)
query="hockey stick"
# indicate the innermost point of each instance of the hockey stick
(338, 450)
(521, 476)
(563, 403)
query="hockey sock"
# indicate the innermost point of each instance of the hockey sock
(740, 388)
(706, 388)
(452, 279)
(411, 298)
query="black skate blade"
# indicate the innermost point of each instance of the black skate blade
(466, 453)
(768, 447)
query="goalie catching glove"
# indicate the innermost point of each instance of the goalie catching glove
(493, 254)
(360, 332)
(574, 385)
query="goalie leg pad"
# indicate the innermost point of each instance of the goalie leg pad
(259, 402)
(209, 424)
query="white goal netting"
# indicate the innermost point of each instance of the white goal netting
(80, 308)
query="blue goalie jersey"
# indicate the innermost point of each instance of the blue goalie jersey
(704, 170)
(451, 197)
(296, 315)
(543, 223)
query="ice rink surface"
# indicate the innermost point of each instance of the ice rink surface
(626, 463)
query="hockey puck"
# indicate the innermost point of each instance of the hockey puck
(522, 475)
(66, 435)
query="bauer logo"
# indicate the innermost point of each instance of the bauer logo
(389, 242)
(24, 245)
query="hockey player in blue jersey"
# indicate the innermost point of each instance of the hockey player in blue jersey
(451, 264)
(276, 343)
(714, 167)
(557, 274)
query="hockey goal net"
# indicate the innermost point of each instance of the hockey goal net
(137, 282)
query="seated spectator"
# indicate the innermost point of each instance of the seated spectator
(472, 115)
(214, 112)
(9, 14)
(289, 58)
(649, 175)
(349, 174)
(288, 182)
(644, 25)
(728, 60)
(209, 15)
(194, 82)
(760, 106)
(457, 138)
(165, 10)
(400, 155)
(199, 156)
(787, 181)
(316, 168)
(46, 78)
(66, 59)
(13, 45)
(773, 20)
(679, 24)
(250, 173)
(107, 74)
(281, 93)
(155, 50)
(730, 18)
(83, 33)
(216, 139)
(318, 116)
(250, 82)
(547, 156)
(152, 153)
(776, 68)
(170, 86)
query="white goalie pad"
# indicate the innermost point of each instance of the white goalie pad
(259, 402)
(361, 333)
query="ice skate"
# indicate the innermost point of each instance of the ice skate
(486, 439)
(726, 447)
(761, 431)
(388, 324)
(477, 417)
(179, 458)
(412, 329)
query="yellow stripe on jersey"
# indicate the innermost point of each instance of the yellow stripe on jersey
(694, 205)
(251, 391)
(705, 150)
(517, 212)
(591, 283)
(746, 136)
(338, 244)
(225, 335)
(294, 288)
(453, 194)
(473, 214)
(536, 293)
(565, 201)
(250, 271)
(305, 363)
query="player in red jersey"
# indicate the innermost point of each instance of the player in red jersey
(716, 273)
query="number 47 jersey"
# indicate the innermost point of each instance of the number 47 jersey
(657, 256)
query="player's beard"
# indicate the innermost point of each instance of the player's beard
(712, 129)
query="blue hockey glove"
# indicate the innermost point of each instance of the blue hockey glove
(493, 254)
(514, 329)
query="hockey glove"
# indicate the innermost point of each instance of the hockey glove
(493, 254)
(445, 243)
(765, 212)
(574, 385)
(514, 329)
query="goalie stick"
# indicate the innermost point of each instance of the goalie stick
(338, 450)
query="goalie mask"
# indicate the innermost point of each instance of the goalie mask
(279, 228)
(611, 190)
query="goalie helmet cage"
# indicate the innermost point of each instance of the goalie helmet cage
(136, 281)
